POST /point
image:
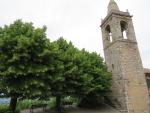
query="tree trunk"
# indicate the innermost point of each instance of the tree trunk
(58, 103)
(13, 103)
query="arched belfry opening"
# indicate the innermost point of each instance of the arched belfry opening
(108, 33)
(124, 29)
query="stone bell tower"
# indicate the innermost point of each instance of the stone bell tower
(129, 89)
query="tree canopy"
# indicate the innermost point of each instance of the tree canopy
(31, 66)
(24, 51)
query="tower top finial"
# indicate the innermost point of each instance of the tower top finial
(112, 6)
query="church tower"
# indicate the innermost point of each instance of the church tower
(129, 89)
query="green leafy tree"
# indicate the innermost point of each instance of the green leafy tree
(78, 74)
(33, 67)
(97, 79)
(64, 66)
(25, 54)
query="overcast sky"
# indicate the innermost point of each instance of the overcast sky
(79, 20)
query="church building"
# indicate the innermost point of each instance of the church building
(131, 82)
(147, 76)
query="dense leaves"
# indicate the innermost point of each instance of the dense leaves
(24, 51)
(33, 67)
(80, 74)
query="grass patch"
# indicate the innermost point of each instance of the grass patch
(26, 104)
(4, 108)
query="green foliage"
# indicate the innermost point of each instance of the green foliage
(74, 100)
(25, 55)
(97, 80)
(32, 67)
(51, 103)
(82, 74)
(24, 104)
(64, 67)
(23, 51)
(27, 103)
(5, 109)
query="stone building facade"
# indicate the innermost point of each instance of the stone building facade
(130, 92)
(147, 76)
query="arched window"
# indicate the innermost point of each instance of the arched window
(124, 28)
(109, 34)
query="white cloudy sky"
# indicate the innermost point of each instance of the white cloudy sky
(78, 20)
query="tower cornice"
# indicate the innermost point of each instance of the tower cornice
(119, 41)
(119, 13)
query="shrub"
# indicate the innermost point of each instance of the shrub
(51, 103)
(5, 109)
(26, 104)
(91, 101)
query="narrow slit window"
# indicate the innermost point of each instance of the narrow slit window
(110, 37)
